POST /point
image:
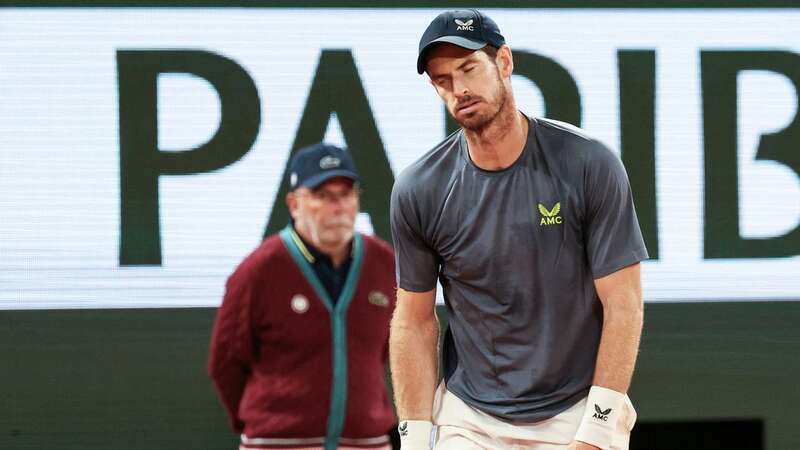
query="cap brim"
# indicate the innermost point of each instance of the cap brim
(316, 180)
(460, 41)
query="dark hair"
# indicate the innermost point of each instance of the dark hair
(491, 52)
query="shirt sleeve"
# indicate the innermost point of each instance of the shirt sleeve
(611, 232)
(416, 263)
(232, 350)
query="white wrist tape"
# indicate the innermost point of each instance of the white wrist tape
(603, 411)
(415, 434)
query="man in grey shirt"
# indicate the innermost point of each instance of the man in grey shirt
(530, 227)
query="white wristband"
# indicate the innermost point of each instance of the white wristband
(603, 411)
(415, 434)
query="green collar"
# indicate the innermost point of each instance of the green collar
(338, 325)
(303, 259)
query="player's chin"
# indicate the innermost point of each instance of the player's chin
(472, 122)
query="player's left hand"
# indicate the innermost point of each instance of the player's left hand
(578, 445)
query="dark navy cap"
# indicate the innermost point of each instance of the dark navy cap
(470, 29)
(315, 164)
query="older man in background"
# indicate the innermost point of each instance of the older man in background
(300, 343)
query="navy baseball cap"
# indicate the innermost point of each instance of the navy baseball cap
(469, 28)
(313, 165)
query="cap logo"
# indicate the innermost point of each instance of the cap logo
(293, 179)
(329, 162)
(464, 26)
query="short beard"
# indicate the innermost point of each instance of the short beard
(479, 123)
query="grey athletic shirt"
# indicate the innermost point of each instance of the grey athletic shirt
(517, 252)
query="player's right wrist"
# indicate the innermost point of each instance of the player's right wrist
(415, 434)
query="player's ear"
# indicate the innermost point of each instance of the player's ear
(505, 61)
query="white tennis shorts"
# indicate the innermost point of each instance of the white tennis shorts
(462, 427)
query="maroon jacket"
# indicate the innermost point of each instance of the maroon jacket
(286, 364)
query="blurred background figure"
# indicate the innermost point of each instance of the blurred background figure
(299, 347)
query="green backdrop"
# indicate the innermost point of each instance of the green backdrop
(136, 379)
